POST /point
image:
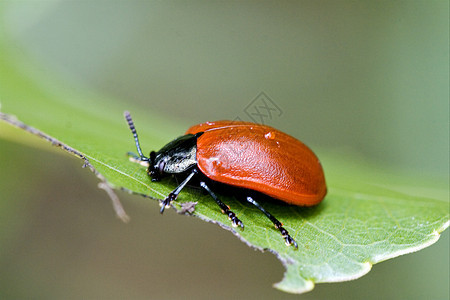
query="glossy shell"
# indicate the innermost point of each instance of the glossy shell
(260, 158)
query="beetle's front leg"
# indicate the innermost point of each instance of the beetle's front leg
(174, 194)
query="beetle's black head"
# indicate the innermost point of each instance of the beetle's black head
(176, 157)
(151, 167)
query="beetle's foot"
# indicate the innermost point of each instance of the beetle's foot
(166, 202)
(234, 219)
(287, 238)
(133, 157)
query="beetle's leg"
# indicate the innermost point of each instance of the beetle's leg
(225, 209)
(174, 194)
(133, 157)
(287, 238)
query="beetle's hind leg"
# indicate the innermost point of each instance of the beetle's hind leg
(278, 225)
(225, 209)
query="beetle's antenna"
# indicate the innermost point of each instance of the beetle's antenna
(135, 135)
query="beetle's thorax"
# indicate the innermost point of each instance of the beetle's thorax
(177, 162)
(176, 157)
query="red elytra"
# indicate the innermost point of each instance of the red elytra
(247, 156)
(260, 158)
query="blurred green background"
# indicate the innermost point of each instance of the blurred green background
(366, 78)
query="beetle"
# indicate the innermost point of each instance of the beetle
(244, 155)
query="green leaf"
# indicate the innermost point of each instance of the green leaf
(368, 216)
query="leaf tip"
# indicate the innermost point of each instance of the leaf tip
(289, 286)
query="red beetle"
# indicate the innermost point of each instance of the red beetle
(244, 155)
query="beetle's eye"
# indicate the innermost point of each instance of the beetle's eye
(161, 167)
